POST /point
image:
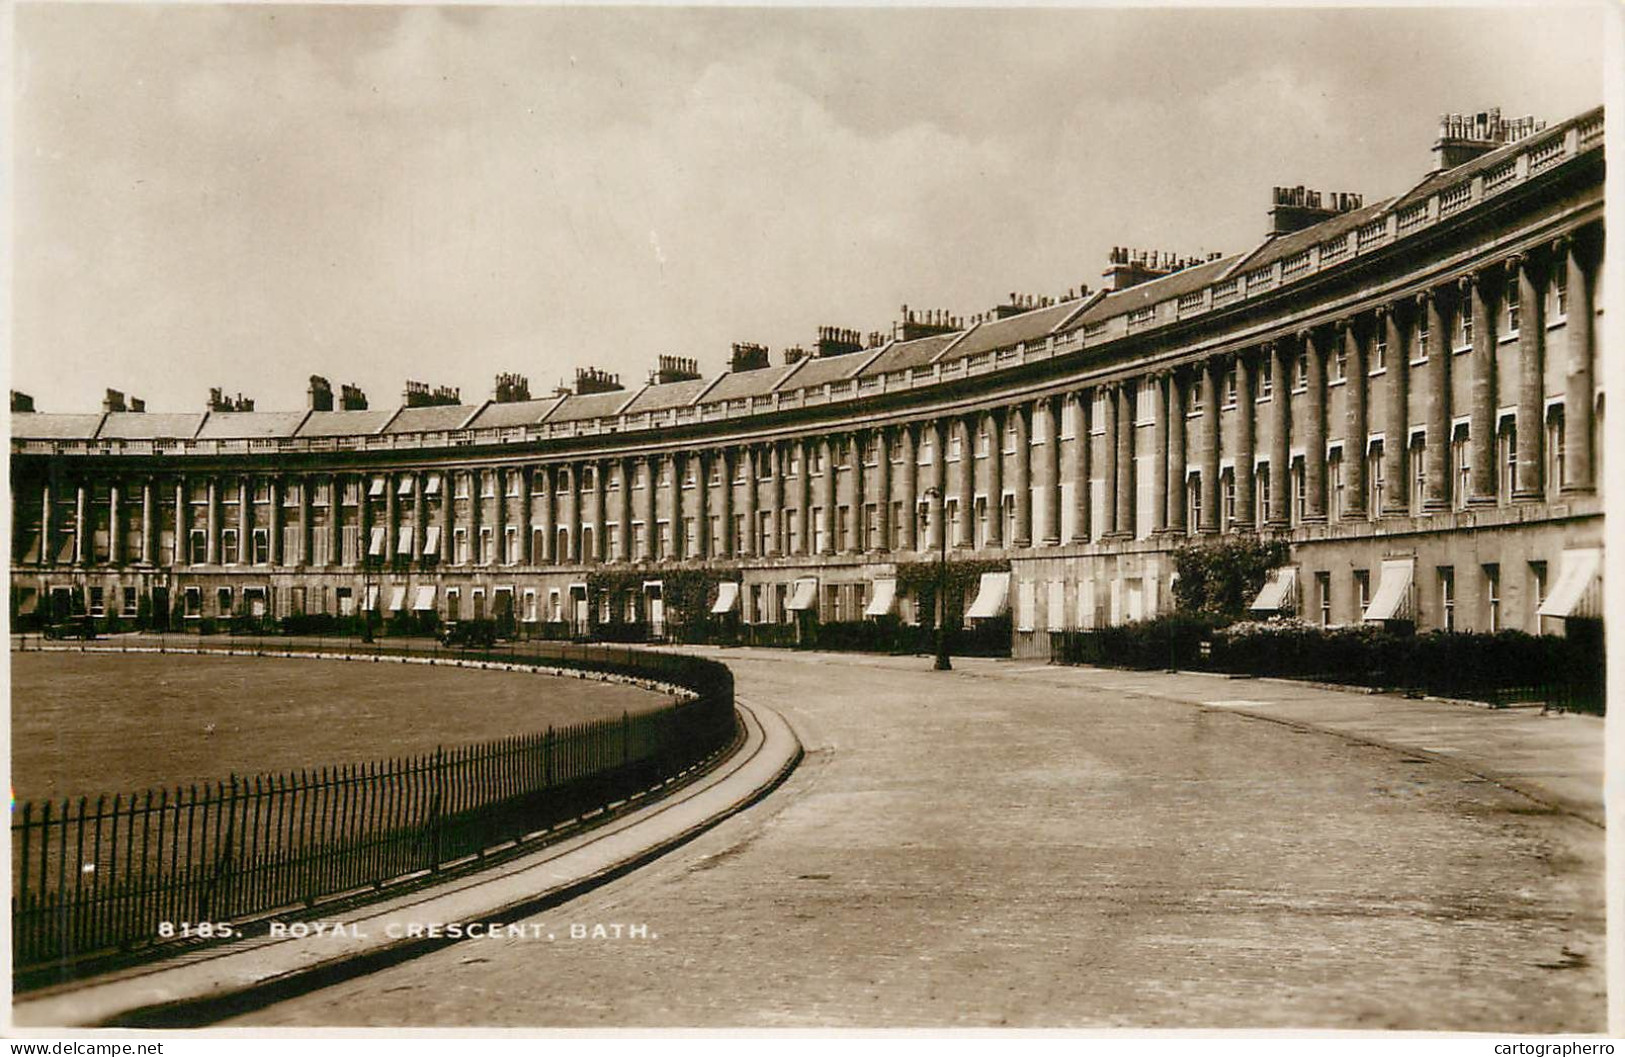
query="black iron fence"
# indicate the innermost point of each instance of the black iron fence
(121, 873)
(1563, 672)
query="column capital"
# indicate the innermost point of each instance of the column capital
(1515, 263)
(1424, 298)
(1465, 284)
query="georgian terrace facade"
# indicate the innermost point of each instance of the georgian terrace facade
(1407, 392)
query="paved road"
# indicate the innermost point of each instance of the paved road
(1022, 846)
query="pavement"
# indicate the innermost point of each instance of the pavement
(1015, 845)
(207, 985)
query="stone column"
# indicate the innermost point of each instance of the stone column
(1246, 441)
(779, 461)
(909, 482)
(600, 514)
(576, 556)
(1438, 402)
(448, 489)
(335, 518)
(183, 525)
(1531, 486)
(48, 499)
(1579, 391)
(392, 516)
(827, 494)
(499, 517)
(858, 543)
(1314, 429)
(364, 517)
(1396, 429)
(1281, 437)
(936, 530)
(550, 517)
(1483, 303)
(883, 540)
(995, 420)
(1159, 458)
(1126, 490)
(703, 544)
(1110, 471)
(1054, 409)
(1023, 475)
(623, 515)
(1081, 497)
(1212, 395)
(274, 529)
(306, 536)
(527, 517)
(115, 527)
(149, 523)
(476, 500)
(420, 516)
(651, 530)
(967, 483)
(211, 546)
(1178, 454)
(803, 500)
(1355, 424)
(725, 506)
(752, 530)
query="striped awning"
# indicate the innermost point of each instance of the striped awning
(431, 542)
(1279, 593)
(397, 598)
(372, 598)
(1393, 598)
(377, 488)
(727, 598)
(424, 601)
(404, 486)
(27, 601)
(992, 596)
(432, 486)
(380, 537)
(885, 599)
(1578, 593)
(403, 540)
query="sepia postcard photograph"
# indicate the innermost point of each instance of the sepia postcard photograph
(824, 519)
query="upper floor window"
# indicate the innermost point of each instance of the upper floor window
(955, 448)
(1464, 330)
(1421, 340)
(1560, 290)
(1010, 435)
(983, 444)
(1300, 373)
(1379, 351)
(1197, 398)
(1232, 385)
(1266, 377)
(488, 487)
(815, 459)
(1513, 312)
(1340, 363)
(589, 477)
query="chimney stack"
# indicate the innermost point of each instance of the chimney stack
(114, 400)
(1295, 208)
(512, 388)
(748, 356)
(838, 341)
(418, 394)
(924, 322)
(351, 398)
(137, 405)
(320, 393)
(21, 403)
(1463, 137)
(219, 401)
(592, 380)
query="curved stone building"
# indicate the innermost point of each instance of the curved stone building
(1406, 391)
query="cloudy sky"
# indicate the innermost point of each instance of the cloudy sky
(246, 195)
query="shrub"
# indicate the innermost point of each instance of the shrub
(1221, 578)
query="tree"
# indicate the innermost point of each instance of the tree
(1221, 578)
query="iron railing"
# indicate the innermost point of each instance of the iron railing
(126, 873)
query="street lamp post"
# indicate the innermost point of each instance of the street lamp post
(943, 664)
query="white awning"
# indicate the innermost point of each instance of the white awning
(1579, 587)
(375, 547)
(1393, 598)
(377, 488)
(727, 598)
(431, 542)
(27, 601)
(397, 598)
(991, 596)
(403, 540)
(424, 600)
(884, 601)
(372, 598)
(404, 486)
(432, 487)
(1278, 593)
(806, 595)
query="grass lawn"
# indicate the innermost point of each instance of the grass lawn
(110, 723)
